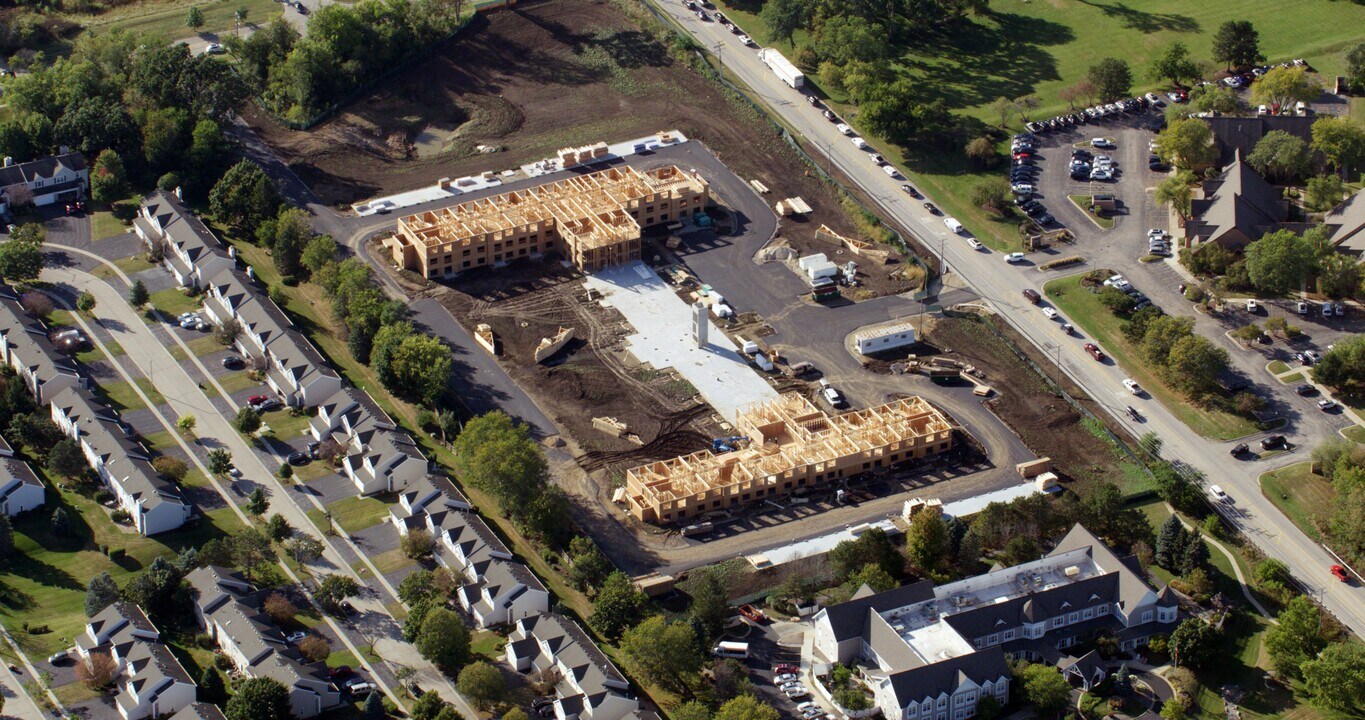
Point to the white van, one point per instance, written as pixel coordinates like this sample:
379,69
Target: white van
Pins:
844,128
859,143
1218,492
729,649
953,225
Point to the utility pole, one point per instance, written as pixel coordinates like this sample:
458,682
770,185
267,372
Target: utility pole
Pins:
720,56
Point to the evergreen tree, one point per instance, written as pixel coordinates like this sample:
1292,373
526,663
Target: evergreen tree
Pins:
60,524
6,536
1123,681
1168,542
211,688
373,708
137,294
1195,554
100,593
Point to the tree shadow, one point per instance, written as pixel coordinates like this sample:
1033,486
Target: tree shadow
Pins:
1146,22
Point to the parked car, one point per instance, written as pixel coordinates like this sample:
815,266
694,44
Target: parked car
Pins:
1339,573
1094,350
233,362
267,405
1101,142
1326,405
298,458
1239,449
360,689
257,399
1301,308
830,394
785,678
340,672
1132,386
1014,257
1272,441
59,656
752,613
1306,390
296,636
786,669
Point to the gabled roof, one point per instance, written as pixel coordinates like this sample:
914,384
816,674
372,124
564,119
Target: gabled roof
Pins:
181,228
942,678
199,711
1347,224
14,475
1239,135
1132,589
1239,200
848,619
41,169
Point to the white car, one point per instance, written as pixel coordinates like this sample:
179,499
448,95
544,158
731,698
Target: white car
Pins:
974,243
1252,307
213,48
746,40
1014,257
1153,97
294,637
805,706
1101,143
844,128
858,142
1049,313
1022,188
781,680
891,171
1132,386
361,689
1218,492
1101,174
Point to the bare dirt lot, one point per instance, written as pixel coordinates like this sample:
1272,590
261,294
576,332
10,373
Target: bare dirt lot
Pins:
532,79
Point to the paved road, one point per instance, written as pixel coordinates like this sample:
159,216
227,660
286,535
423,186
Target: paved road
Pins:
292,16
1002,284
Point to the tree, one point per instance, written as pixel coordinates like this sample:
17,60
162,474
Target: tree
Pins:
1280,88
1045,689
279,608
7,544
257,503
783,18
588,567
1116,300
1112,78
498,456
108,179
746,707
258,698
1281,156
1219,99
482,683
211,687
1194,644
982,152
1194,365
663,653
1176,190
292,235
444,640
418,543
846,39
710,606
94,124
1150,443
318,252
871,547
1172,710
186,423
251,550
1237,45
992,195
1341,140
1082,91
1344,365
247,421
335,588
303,548
1174,64
872,576
618,605
1186,143
427,706
314,648
244,197
220,459
137,294
373,709
85,302
1195,555
926,541
414,366
1297,638
157,591
194,18
227,332
66,459
1336,678
1170,542
97,671
1271,572
100,593
37,304
692,710
20,261
1324,192
1279,261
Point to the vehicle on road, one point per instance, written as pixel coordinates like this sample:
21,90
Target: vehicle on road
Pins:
1326,405
910,190
1049,313
1032,296
844,128
1218,492
213,48
1068,328
1014,257
974,243
1272,441
1339,573
1101,143
1239,449
930,207
746,40
1132,386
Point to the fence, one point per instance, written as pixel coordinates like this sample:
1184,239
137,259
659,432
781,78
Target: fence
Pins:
898,241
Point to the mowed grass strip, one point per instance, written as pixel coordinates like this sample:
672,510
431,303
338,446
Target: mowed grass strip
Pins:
1083,308
167,17
1304,496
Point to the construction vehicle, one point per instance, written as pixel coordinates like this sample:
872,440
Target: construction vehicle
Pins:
728,444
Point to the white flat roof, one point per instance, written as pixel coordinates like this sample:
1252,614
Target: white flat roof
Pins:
663,338
817,545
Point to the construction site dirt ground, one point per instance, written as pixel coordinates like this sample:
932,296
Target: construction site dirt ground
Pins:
532,79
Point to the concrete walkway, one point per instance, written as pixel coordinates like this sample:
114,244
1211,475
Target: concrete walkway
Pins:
1236,569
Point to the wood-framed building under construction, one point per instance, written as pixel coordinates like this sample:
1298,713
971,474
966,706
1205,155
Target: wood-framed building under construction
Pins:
792,445
593,220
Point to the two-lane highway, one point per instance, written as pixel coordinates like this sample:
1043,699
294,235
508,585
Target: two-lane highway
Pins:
1002,284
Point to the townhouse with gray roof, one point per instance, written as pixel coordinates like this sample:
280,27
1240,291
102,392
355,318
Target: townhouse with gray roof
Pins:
155,504
46,181
20,488
590,687
200,711
379,457
190,251
227,608
25,347
932,653
149,681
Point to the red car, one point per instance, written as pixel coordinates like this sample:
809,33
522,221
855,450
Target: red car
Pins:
786,670
1339,573
1095,351
256,399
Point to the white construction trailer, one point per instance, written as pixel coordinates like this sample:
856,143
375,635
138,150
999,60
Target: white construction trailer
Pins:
782,67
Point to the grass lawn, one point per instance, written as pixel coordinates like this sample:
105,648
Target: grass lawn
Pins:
1083,202
122,397
168,18
387,562
1301,495
1038,49
313,471
284,426
1084,309
1277,367
173,302
488,644
202,346
1292,378
44,581
161,441
238,381
103,225
1355,434
342,657
353,514
93,353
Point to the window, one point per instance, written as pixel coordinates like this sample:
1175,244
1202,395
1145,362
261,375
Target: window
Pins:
1073,617
993,639
1057,621
1102,610
1009,635
1088,613
1147,616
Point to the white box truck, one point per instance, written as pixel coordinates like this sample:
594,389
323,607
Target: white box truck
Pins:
782,67
729,649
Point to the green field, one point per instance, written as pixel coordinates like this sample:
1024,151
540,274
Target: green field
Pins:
168,18
173,302
1084,309
123,397
1355,434
1039,48
1301,495
103,225
352,514
1277,367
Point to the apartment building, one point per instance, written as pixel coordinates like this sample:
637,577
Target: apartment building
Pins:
379,457
150,682
200,711
227,608
590,687
20,488
594,220
294,369
791,445
45,181
155,504
932,653
190,251
25,347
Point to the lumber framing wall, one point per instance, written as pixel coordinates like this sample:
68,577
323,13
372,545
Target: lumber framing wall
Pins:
594,220
793,445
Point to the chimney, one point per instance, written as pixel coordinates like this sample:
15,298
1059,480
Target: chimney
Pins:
8,161
232,249
700,323
178,194
250,273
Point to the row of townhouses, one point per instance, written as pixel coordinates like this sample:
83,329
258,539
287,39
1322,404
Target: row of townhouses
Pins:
378,457
149,681
190,251
933,653
45,181
228,609
155,504
20,488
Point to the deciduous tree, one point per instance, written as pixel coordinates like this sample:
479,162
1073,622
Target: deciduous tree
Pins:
663,653
1280,156
1237,45
1194,644
482,683
1112,78
108,179
1279,261
1336,677
1297,638
444,640
1175,64
618,606
1186,143
1280,88
259,698
335,588
926,541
